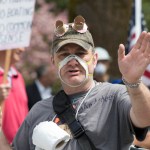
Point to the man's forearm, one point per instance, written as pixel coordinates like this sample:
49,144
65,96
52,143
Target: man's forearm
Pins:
3,142
140,112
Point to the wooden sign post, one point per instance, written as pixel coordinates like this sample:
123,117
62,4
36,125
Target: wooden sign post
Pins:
7,65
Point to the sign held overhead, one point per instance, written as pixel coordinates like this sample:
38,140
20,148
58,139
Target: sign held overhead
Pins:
15,23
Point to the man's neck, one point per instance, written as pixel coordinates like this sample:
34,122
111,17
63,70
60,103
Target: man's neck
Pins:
82,88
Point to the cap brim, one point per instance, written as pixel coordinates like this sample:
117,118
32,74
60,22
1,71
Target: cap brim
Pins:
81,43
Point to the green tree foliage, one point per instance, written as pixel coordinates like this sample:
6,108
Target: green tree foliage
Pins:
146,10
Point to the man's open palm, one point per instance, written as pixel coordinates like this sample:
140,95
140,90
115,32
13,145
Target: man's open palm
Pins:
133,65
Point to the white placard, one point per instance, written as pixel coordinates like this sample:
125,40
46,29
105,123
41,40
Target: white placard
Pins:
15,23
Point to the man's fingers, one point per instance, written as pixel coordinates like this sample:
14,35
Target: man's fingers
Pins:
140,40
121,52
146,45
5,86
4,91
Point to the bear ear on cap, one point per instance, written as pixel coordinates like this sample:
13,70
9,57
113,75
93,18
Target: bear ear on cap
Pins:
79,19
79,24
59,23
61,28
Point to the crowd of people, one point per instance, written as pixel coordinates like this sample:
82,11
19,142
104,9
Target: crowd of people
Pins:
90,112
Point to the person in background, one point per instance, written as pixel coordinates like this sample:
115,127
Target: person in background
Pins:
41,88
13,96
101,73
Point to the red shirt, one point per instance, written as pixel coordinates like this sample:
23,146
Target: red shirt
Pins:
15,106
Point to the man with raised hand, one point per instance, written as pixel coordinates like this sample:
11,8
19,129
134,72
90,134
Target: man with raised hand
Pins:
101,116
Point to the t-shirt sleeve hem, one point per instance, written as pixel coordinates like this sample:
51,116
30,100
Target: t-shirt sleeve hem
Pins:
140,133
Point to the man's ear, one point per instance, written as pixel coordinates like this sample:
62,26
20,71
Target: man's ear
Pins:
95,59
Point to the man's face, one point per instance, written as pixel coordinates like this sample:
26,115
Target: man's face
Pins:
73,73
16,54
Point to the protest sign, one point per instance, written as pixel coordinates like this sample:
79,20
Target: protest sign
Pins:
15,23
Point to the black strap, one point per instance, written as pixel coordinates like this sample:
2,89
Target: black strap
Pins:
65,111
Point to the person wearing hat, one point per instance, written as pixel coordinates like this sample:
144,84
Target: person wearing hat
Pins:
101,73
104,116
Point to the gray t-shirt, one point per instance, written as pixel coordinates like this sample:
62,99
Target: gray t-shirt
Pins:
104,115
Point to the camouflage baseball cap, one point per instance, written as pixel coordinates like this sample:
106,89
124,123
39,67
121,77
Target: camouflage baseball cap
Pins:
77,36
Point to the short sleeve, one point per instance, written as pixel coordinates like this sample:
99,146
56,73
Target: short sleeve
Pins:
21,140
